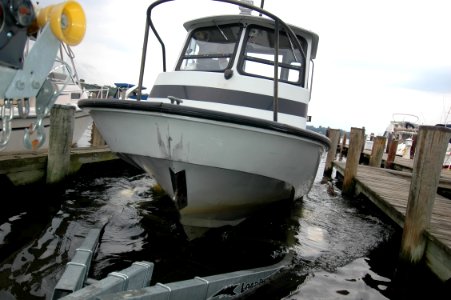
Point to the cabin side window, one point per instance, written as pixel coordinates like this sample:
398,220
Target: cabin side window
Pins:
210,48
257,57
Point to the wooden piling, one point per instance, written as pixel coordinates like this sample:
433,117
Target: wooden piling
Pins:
391,154
343,145
431,147
363,140
334,136
96,137
377,151
413,147
352,159
60,141
389,140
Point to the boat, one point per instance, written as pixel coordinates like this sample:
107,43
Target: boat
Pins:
33,76
404,128
224,134
129,91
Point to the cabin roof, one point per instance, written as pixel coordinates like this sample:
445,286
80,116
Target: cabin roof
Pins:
249,19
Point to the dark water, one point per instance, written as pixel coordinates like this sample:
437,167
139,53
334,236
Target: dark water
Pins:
343,248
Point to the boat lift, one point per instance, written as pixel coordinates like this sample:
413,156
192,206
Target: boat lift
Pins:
25,76
134,281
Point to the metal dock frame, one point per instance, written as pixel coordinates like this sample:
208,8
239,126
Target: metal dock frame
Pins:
133,283
224,286
134,277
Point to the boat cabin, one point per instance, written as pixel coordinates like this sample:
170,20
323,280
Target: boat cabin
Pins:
228,64
214,48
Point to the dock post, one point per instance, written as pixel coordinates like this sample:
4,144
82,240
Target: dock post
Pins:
334,136
414,145
343,144
377,151
352,160
427,166
389,140
62,118
363,140
96,137
391,154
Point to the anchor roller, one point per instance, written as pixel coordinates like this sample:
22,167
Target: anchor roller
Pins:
67,21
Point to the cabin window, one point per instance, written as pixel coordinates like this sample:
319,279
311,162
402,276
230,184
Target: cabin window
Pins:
210,48
75,96
258,56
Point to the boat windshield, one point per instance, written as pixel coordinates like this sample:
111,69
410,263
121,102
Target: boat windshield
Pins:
210,48
259,55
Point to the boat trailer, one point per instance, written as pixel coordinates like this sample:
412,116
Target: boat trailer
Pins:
134,281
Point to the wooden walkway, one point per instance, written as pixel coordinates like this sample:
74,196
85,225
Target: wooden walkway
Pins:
390,192
27,167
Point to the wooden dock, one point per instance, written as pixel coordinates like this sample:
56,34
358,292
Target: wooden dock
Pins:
389,190
28,167
404,166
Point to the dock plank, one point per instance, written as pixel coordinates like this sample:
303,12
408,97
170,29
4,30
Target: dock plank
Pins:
389,191
27,167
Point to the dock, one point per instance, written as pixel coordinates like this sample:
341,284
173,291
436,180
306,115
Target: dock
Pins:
403,167
28,167
60,159
391,190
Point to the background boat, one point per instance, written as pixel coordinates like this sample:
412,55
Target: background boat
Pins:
63,79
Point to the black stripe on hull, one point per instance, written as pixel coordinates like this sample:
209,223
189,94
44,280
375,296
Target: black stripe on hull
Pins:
214,115
224,96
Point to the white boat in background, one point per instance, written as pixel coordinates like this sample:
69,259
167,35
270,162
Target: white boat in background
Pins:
224,134
63,80
403,127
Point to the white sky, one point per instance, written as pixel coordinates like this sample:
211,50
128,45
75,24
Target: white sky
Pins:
375,58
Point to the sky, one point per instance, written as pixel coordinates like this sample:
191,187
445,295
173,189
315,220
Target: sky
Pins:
375,58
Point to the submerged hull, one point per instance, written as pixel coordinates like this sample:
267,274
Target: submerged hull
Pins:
210,196
218,167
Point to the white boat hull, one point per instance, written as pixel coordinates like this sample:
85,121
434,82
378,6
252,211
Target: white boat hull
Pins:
217,172
215,196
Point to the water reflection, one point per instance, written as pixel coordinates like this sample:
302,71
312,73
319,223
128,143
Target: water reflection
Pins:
314,242
352,281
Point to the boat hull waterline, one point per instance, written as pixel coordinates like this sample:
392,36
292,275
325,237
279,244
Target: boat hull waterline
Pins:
217,171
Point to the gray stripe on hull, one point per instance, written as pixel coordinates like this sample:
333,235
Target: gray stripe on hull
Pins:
238,98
